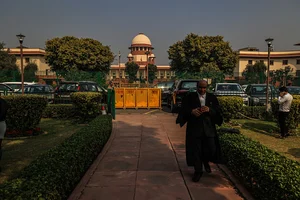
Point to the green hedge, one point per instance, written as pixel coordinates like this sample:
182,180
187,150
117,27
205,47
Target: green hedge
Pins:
296,96
294,116
54,174
60,111
257,112
231,106
87,104
25,111
266,174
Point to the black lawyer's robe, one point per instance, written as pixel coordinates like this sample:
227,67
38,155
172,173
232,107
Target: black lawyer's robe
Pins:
206,122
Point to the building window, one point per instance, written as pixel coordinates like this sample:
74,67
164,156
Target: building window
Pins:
285,62
27,60
114,74
298,62
271,62
249,62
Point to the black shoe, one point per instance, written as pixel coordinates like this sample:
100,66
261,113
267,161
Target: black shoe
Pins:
197,176
207,167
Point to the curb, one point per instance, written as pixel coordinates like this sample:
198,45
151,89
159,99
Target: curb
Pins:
77,192
237,183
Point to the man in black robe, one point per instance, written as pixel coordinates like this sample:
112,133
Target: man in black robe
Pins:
202,112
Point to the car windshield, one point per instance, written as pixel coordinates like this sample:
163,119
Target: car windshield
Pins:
165,85
34,89
224,87
15,86
188,85
294,90
259,89
71,87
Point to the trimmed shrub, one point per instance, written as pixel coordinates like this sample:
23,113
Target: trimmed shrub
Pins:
294,116
231,106
87,104
60,111
54,174
257,112
296,96
25,111
266,174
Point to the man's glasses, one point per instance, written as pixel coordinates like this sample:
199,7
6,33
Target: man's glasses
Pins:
201,87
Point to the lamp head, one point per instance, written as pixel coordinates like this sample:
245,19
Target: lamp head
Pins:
269,41
20,37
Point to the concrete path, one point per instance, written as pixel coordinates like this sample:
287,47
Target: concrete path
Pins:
145,159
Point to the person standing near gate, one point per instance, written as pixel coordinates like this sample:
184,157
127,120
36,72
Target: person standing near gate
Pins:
285,102
202,112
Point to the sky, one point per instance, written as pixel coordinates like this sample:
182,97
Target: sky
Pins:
243,23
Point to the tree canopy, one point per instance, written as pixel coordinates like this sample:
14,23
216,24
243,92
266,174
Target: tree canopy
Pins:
71,53
197,53
151,72
9,71
282,75
131,68
29,72
255,73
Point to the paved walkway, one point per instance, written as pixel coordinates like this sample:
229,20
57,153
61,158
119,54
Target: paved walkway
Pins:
145,159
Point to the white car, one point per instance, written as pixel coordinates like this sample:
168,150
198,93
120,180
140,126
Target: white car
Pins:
17,85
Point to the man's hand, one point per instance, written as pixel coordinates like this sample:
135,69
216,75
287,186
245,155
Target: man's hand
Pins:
204,109
196,112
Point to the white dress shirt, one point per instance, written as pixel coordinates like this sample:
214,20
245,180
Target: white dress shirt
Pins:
202,99
285,102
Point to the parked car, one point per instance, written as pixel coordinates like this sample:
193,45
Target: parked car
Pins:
17,85
178,91
165,89
257,94
244,87
230,89
294,90
65,88
5,89
39,89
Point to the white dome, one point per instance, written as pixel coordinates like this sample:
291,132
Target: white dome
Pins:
129,55
141,38
152,55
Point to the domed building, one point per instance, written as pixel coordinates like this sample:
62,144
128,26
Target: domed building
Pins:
141,52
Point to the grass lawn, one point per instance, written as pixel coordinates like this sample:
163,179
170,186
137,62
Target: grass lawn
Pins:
19,152
266,133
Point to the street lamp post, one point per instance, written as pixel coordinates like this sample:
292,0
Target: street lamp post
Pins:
119,69
269,42
147,73
21,38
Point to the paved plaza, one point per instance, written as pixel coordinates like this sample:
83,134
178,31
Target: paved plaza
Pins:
145,159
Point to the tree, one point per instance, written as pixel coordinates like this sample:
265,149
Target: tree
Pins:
9,71
71,53
29,72
282,75
196,53
131,68
255,73
77,75
151,72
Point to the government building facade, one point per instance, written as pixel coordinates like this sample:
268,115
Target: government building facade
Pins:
142,52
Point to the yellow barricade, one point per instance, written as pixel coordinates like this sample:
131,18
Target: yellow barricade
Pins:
141,98
119,96
138,98
129,98
154,98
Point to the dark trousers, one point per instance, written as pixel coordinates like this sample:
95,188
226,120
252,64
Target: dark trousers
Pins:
282,116
204,149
